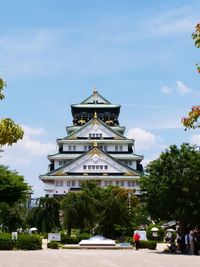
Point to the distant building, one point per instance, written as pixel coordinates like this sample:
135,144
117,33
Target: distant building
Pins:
95,149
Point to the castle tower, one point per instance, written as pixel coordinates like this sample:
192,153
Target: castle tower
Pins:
94,149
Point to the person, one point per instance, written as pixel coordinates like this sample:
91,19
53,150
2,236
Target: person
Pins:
189,242
136,239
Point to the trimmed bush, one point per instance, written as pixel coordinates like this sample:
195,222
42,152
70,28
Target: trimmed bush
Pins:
29,242
6,242
148,244
53,245
69,240
82,236
160,233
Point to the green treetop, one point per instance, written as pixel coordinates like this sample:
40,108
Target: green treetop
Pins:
9,131
171,188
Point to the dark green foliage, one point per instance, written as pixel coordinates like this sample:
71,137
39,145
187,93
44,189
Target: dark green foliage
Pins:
24,241
65,239
160,232
53,245
172,186
148,244
106,210
29,242
115,211
45,217
12,186
6,243
12,217
79,211
82,236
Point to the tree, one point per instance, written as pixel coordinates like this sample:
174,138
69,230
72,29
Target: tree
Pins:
46,216
9,131
12,186
171,188
116,211
196,37
191,121
79,211
13,196
12,217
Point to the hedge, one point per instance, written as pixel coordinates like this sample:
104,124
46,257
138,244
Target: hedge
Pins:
24,241
53,245
29,242
148,244
74,239
65,239
6,242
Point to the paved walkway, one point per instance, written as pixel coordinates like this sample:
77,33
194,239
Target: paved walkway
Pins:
95,258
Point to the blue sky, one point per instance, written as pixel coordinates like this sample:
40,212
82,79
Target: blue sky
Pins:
137,53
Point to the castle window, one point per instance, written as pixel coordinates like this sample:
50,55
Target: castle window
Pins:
120,148
74,148
73,183
84,167
69,148
60,163
105,167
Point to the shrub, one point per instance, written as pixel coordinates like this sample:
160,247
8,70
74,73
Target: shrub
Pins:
29,242
82,236
148,244
53,245
65,239
160,236
6,242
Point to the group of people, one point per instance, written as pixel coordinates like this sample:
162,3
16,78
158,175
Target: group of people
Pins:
186,243
189,242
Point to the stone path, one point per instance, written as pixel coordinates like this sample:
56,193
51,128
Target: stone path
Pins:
95,258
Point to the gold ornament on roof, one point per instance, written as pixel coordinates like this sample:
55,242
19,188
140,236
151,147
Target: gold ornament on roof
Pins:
95,90
95,144
95,115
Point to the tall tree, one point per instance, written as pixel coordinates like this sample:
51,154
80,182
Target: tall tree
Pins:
79,211
116,210
12,186
9,131
171,188
46,216
13,198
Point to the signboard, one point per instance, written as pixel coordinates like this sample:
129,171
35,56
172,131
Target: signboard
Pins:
54,237
14,235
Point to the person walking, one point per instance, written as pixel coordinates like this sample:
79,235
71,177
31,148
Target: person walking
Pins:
136,239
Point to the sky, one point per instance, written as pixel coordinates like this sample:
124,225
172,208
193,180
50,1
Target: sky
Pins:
139,54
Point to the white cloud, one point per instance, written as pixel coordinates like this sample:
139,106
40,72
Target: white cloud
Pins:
143,139
174,21
24,152
30,131
182,88
166,90
195,139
